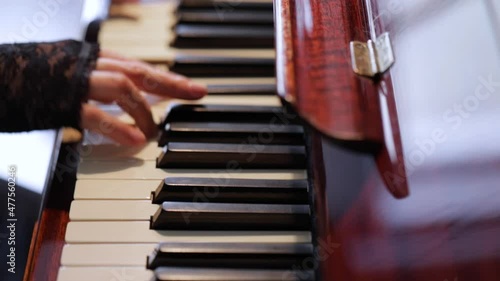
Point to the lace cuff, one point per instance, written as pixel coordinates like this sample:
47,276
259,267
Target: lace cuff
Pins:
42,85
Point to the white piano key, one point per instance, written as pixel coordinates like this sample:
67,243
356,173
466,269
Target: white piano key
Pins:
140,38
139,169
139,273
139,232
106,254
232,53
137,189
115,189
111,210
105,152
171,273
147,11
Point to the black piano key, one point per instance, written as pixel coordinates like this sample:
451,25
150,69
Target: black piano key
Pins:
221,36
224,274
269,115
230,255
224,190
196,66
231,156
211,16
248,89
218,132
222,6
225,216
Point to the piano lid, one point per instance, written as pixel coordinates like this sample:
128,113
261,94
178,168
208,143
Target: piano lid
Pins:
315,75
314,71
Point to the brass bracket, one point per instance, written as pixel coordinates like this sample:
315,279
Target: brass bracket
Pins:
372,58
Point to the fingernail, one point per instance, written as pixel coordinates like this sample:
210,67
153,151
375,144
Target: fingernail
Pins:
197,90
137,136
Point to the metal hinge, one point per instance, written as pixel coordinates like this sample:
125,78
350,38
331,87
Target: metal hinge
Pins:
372,58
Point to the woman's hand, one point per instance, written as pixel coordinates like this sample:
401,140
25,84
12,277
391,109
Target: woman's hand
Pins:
121,80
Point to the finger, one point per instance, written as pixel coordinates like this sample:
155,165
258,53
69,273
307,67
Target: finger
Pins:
116,87
100,122
152,80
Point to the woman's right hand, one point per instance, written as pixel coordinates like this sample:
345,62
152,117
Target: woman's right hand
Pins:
120,80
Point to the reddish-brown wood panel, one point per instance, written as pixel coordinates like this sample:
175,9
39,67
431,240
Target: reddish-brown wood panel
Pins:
314,67
315,76
446,230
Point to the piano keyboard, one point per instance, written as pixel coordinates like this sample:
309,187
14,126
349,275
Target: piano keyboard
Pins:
223,193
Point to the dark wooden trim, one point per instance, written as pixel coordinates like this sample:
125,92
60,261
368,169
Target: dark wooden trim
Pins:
47,250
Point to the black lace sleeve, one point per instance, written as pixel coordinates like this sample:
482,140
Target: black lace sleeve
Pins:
42,85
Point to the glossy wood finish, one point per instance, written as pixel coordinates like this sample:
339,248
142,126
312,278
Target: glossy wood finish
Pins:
314,69
315,76
46,251
444,84
447,229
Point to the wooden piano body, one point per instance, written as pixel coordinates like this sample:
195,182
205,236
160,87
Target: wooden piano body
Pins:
428,123
438,101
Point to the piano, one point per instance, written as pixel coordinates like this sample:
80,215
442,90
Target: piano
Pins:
378,161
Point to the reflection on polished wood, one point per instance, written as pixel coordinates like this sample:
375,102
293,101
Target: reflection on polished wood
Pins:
445,84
